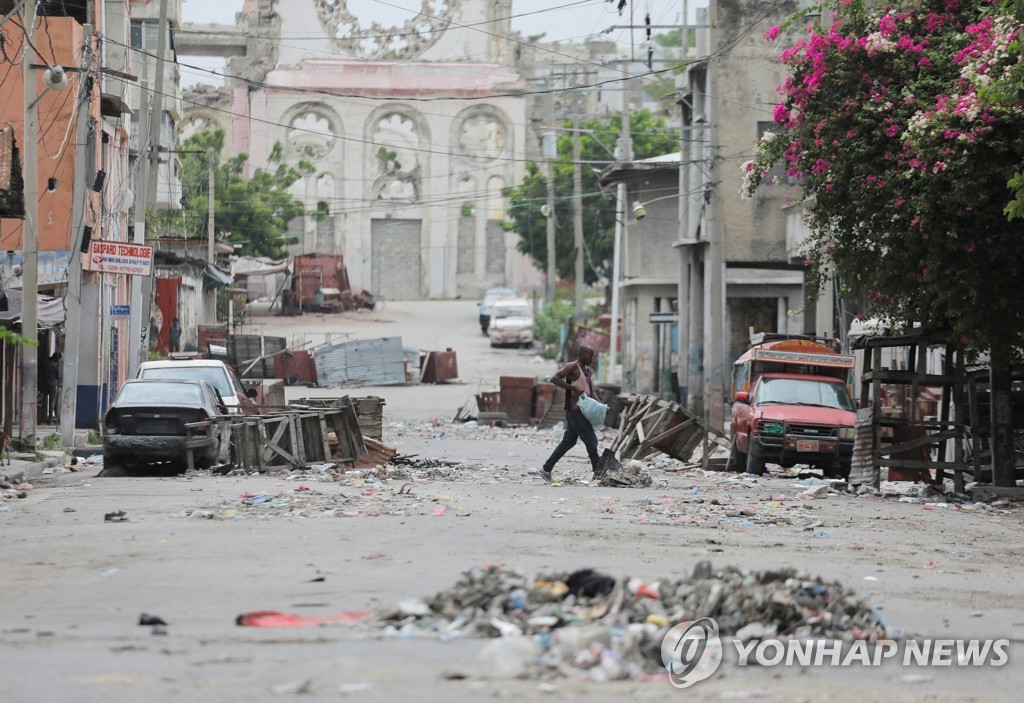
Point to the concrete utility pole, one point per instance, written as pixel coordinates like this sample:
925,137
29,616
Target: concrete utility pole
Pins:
577,214
625,155
714,273
138,321
30,243
550,149
210,255
152,152
84,155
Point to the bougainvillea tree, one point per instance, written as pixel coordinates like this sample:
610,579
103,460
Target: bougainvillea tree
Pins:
906,123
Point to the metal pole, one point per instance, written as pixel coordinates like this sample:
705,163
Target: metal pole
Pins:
138,323
30,245
577,215
84,160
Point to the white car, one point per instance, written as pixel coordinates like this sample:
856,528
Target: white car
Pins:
216,373
511,323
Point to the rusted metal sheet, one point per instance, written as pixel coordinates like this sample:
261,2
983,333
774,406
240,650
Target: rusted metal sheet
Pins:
440,367
517,397
488,402
212,334
295,368
362,362
597,340
543,397
378,454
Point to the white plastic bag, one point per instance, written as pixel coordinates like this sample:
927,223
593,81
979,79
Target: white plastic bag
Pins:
593,410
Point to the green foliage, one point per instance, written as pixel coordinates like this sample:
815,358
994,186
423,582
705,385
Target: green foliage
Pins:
597,143
903,120
51,441
9,335
92,438
547,325
254,212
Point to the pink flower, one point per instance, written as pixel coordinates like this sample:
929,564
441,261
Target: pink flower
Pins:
781,115
892,130
887,25
771,34
899,202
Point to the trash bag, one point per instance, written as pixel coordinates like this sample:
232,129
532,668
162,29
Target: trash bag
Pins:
593,410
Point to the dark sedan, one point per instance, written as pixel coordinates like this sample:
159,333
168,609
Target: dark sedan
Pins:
145,425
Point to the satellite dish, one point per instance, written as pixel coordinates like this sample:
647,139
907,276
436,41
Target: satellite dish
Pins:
55,78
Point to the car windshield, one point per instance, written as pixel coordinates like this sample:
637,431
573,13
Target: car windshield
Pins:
501,312
492,296
160,393
211,374
790,391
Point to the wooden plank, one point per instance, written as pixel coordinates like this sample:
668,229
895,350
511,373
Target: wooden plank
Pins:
916,443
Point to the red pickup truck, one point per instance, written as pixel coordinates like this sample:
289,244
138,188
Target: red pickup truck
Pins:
792,405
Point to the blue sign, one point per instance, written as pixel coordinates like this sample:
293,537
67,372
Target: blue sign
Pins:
120,310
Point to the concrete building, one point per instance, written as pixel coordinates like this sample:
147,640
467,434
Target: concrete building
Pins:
735,269
412,132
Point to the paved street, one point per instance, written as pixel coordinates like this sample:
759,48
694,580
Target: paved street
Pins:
198,551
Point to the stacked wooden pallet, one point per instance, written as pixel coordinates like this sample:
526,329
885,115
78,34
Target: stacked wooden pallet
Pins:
649,424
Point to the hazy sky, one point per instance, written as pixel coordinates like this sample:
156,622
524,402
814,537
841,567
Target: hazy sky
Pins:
581,19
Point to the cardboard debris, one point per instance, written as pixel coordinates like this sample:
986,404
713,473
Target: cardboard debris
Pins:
378,454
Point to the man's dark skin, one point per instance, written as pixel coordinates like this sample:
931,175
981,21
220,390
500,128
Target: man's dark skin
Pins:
577,426
569,373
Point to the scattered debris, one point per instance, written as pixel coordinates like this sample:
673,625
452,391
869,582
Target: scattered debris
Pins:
612,627
116,516
633,475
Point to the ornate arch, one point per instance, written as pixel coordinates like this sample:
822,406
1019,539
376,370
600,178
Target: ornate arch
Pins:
312,129
396,135
481,134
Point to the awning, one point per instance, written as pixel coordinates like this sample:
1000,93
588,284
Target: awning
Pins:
49,311
213,277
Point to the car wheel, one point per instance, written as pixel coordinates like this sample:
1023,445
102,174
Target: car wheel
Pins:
737,460
755,462
113,466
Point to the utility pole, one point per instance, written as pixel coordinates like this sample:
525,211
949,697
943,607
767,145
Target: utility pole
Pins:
714,279
151,150
84,155
30,243
577,213
549,147
138,322
625,155
210,211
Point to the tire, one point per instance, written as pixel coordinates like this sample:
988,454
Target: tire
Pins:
737,460
755,462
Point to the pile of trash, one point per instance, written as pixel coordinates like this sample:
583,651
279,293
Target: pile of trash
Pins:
593,625
632,475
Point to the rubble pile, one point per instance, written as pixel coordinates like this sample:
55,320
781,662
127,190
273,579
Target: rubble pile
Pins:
304,502
601,627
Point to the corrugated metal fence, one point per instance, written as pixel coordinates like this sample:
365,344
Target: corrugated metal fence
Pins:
362,362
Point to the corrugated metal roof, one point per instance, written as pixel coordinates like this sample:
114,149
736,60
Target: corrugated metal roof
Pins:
361,362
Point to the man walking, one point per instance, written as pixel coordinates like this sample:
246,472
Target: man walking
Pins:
575,379
175,335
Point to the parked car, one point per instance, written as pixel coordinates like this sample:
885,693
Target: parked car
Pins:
218,374
146,424
490,298
511,323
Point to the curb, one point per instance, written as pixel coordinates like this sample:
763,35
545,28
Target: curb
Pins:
30,470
